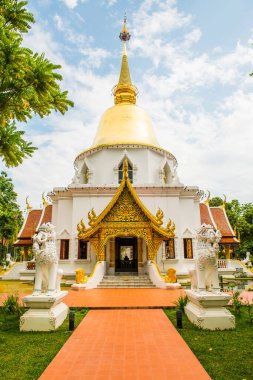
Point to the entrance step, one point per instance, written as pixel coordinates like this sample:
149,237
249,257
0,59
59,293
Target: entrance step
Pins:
129,281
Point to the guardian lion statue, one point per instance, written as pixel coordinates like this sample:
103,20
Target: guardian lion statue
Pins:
205,275
47,277
171,276
80,276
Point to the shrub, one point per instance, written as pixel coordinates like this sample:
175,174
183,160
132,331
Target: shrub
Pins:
181,302
11,305
249,306
237,302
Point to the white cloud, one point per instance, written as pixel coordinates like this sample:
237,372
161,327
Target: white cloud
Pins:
70,3
73,3
214,150
59,22
39,40
150,21
192,37
110,3
93,56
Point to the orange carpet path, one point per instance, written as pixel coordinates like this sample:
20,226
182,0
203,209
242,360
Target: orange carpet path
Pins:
125,298
125,344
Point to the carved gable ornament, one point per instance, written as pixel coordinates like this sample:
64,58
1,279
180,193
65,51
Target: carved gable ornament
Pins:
64,235
126,210
188,233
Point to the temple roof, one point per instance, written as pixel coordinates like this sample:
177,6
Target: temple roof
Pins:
222,222
217,217
205,215
30,224
33,220
46,215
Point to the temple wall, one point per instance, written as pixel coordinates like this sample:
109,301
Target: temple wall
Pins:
63,217
82,205
189,215
169,206
147,165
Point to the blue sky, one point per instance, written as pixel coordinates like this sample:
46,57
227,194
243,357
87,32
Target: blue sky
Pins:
190,61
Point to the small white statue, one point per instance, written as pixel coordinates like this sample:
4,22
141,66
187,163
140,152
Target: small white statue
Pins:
9,259
44,249
247,261
205,275
77,176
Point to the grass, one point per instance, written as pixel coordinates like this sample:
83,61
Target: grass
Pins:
25,355
226,355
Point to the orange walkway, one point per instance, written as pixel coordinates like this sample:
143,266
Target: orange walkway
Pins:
125,298
117,298
125,344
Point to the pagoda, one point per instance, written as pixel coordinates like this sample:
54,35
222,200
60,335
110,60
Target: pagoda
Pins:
126,208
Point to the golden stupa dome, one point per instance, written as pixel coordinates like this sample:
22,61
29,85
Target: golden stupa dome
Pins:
125,123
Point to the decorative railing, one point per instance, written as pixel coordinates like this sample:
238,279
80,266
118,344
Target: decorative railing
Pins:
30,265
222,263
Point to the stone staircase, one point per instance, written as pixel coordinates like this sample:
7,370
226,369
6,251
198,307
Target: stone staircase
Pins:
126,281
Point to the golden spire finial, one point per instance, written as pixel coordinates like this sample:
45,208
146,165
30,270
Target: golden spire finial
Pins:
28,206
124,92
207,200
125,169
224,201
125,35
45,202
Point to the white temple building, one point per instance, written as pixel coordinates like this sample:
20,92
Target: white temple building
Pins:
126,207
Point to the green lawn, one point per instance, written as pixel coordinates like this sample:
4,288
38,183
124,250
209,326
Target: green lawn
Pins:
226,355
25,355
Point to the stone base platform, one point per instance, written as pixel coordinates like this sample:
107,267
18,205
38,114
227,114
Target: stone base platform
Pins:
206,310
46,312
78,287
173,285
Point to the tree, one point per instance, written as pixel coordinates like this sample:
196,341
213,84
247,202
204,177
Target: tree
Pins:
28,83
245,227
11,218
215,202
241,217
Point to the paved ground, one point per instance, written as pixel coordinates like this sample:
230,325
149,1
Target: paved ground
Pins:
125,344
115,298
124,298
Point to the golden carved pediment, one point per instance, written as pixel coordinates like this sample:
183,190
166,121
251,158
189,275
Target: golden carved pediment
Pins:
126,210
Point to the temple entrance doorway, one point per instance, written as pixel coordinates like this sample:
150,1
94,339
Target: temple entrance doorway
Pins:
126,254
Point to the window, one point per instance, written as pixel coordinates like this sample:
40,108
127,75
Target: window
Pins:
82,249
64,249
170,249
130,172
188,253
166,173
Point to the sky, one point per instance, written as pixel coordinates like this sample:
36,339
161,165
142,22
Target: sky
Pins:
190,60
